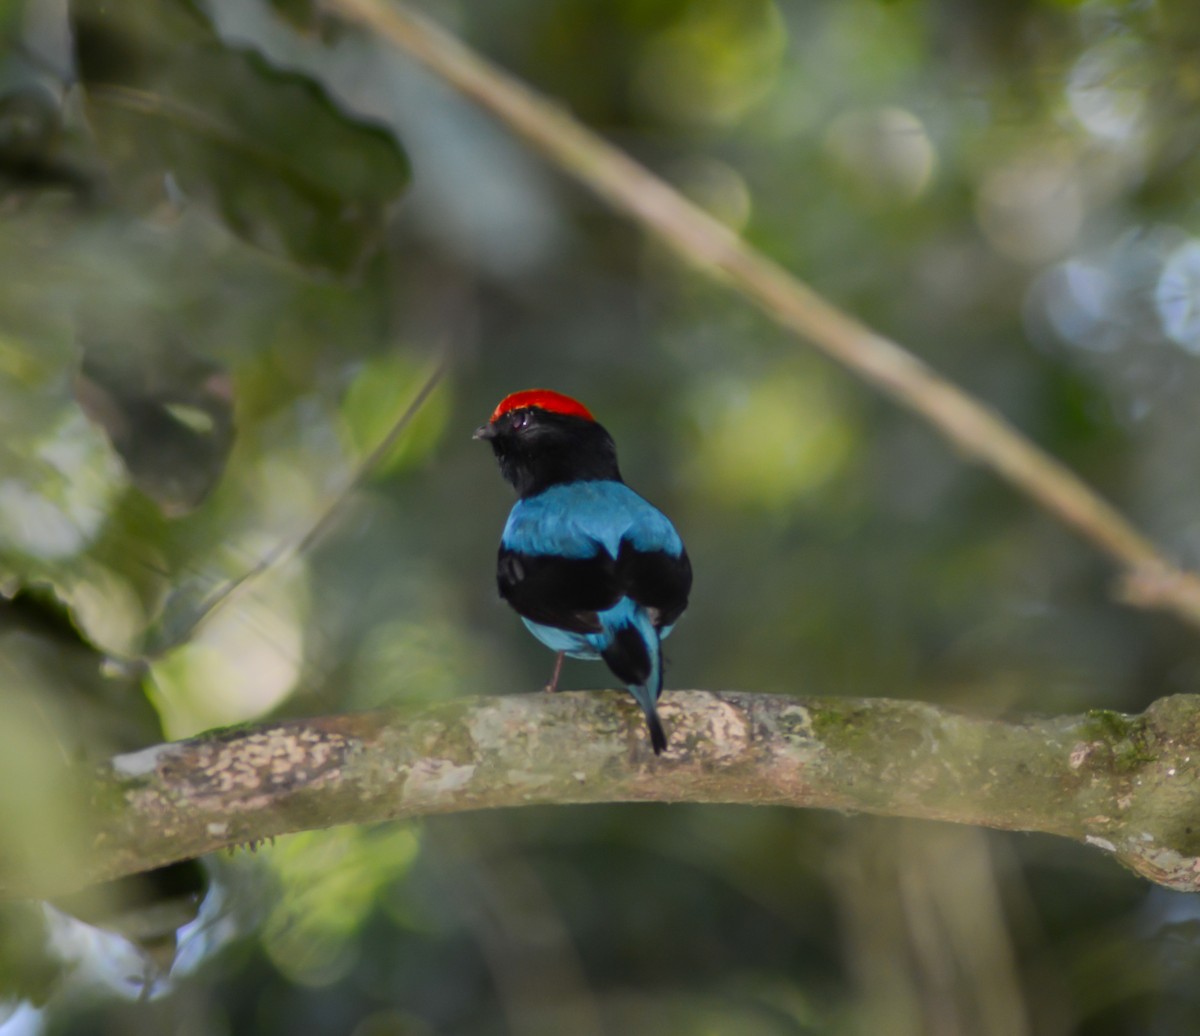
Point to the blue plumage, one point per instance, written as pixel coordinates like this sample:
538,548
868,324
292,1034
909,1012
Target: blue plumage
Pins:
594,570
625,615
577,519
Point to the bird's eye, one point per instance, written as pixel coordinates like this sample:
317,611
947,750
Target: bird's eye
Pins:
520,419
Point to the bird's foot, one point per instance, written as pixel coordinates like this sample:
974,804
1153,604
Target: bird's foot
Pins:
552,686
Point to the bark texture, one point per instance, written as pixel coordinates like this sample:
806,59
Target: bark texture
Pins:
1129,785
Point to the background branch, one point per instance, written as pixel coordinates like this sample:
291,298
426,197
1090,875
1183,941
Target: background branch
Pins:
1130,785
1150,578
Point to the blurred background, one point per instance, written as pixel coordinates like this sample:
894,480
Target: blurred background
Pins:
236,238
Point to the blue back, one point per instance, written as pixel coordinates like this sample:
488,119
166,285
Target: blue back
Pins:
578,519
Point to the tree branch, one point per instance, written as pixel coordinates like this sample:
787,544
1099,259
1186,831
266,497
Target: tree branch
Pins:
1130,785
1150,579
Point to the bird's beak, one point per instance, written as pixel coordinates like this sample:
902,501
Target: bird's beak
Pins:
484,431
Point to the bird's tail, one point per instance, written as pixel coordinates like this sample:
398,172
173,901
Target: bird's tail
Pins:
635,658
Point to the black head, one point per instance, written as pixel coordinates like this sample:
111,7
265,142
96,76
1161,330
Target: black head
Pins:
542,438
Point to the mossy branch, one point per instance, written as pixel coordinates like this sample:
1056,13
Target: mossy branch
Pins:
1127,784
1150,579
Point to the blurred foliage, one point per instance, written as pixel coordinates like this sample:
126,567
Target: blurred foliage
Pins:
221,287
66,703
165,97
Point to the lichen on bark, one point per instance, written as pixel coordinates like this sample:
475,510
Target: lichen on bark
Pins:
1128,785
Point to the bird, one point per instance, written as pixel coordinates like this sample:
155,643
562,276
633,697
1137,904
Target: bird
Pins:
594,570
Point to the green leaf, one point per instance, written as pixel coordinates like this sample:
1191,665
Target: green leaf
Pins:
267,152
375,401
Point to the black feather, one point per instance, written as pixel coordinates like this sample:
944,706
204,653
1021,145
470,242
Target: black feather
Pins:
629,658
556,591
658,740
630,662
655,579
537,449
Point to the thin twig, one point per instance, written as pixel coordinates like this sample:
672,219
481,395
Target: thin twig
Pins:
287,549
1150,578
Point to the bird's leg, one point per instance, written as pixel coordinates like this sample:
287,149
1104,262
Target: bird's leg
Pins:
552,686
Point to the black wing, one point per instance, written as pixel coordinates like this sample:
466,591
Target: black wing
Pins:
655,579
568,592
562,592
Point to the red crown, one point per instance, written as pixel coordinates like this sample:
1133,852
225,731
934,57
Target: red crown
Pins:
544,399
